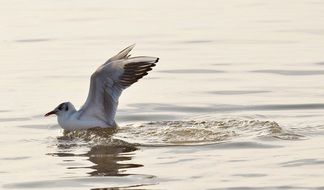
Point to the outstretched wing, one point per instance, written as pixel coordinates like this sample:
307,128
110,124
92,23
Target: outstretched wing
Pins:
108,82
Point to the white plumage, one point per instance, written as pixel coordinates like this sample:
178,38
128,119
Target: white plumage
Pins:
106,86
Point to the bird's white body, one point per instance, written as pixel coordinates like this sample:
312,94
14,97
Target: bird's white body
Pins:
106,86
71,122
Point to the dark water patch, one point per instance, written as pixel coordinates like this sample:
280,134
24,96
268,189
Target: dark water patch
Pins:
250,175
149,107
225,144
85,19
14,119
221,64
180,161
193,109
274,21
260,42
237,92
284,187
144,117
33,40
245,145
197,41
192,71
307,31
290,72
130,187
86,182
302,162
288,107
240,41
35,127
238,160
15,158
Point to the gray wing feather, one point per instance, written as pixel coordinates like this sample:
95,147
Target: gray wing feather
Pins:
122,54
108,82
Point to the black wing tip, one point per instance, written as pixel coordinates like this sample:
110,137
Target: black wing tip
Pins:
157,60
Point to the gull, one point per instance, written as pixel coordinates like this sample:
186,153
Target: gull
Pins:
106,85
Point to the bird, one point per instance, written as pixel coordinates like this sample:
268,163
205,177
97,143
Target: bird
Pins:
106,85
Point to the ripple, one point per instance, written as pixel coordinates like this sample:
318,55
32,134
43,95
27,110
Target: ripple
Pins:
290,72
240,41
251,175
149,107
197,41
237,92
113,182
191,71
145,117
33,40
15,158
15,119
270,188
302,162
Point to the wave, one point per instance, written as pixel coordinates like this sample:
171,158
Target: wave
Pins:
192,132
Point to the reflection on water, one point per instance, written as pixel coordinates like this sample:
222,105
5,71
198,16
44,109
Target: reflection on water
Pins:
107,157
107,160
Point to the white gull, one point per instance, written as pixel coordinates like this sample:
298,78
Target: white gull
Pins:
106,86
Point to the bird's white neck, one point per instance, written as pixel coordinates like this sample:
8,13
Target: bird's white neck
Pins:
65,119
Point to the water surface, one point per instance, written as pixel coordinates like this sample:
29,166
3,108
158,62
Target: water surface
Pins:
236,101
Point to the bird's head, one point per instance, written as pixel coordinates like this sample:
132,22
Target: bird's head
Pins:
62,109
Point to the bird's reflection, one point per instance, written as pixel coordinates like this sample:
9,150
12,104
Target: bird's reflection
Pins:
107,158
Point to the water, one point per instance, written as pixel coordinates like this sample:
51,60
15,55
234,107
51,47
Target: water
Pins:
236,101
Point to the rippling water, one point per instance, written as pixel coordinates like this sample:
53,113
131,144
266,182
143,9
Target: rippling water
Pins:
236,101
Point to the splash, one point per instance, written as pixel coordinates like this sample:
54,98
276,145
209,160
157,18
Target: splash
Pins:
184,133
202,132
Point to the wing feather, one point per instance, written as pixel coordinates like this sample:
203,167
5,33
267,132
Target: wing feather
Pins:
108,82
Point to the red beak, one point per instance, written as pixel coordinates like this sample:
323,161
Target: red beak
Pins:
50,113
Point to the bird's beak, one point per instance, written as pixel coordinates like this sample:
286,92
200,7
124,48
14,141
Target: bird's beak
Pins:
50,113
